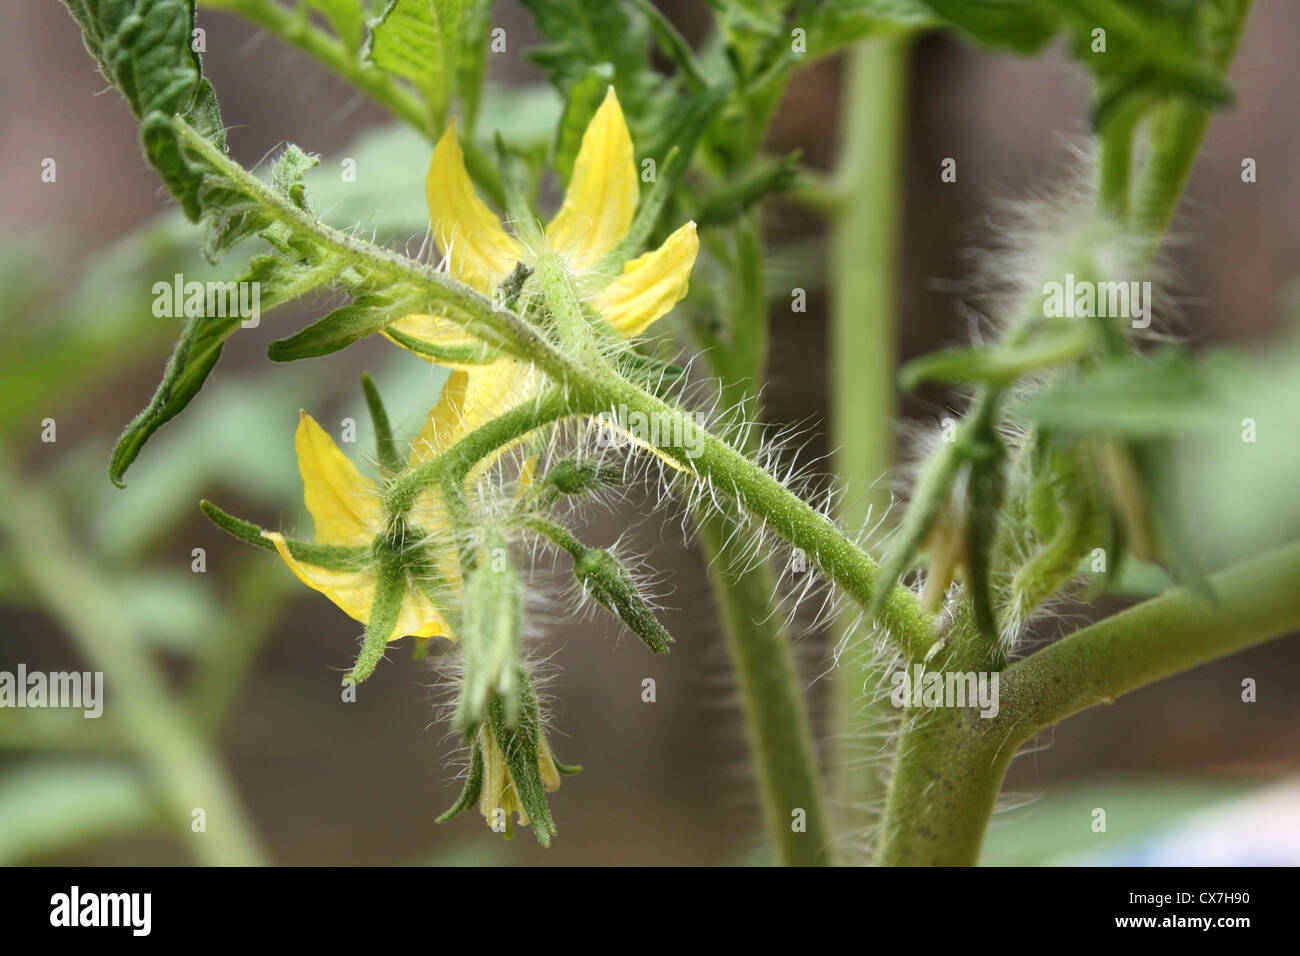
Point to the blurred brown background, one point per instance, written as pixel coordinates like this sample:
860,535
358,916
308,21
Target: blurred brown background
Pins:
664,783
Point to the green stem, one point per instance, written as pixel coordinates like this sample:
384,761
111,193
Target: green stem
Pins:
1255,601
185,772
1177,129
952,762
863,264
776,720
777,727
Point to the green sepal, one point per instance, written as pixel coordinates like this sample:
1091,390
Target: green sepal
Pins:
931,494
570,477
655,374
390,591
330,557
476,354
520,744
515,184
512,286
385,445
473,789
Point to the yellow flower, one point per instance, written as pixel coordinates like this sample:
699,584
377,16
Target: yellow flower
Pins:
594,218
345,507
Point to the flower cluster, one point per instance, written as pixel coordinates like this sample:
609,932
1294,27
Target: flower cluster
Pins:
411,554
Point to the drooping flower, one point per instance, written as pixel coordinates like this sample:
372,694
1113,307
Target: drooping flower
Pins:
390,575
595,217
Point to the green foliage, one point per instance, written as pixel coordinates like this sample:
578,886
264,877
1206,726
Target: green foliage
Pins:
424,41
145,49
1133,396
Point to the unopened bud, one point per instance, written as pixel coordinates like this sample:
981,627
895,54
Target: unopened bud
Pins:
605,578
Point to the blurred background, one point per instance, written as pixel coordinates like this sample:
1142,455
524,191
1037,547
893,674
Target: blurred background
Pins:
665,782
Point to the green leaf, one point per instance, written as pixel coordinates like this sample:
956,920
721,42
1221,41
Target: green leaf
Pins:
199,348
339,329
1153,49
1132,396
673,45
385,445
420,40
287,175
835,24
586,33
145,49
1024,26
476,22
347,18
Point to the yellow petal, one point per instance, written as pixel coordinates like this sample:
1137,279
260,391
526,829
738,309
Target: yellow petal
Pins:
650,284
420,618
467,232
444,423
354,593
602,196
343,503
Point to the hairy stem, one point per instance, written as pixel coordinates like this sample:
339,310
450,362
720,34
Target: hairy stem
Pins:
776,720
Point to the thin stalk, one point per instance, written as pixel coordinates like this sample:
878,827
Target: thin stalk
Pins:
778,730
186,774
776,719
864,243
1177,129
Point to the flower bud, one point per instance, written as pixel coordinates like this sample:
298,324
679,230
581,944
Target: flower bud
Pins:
605,578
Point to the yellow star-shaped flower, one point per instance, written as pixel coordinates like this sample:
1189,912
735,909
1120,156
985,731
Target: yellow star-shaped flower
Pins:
594,218
343,561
